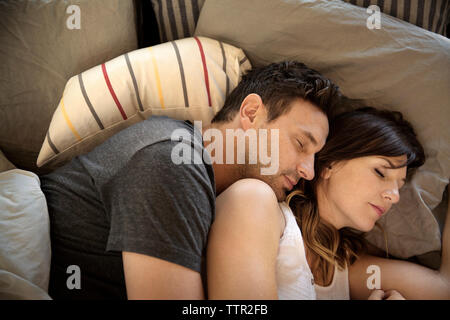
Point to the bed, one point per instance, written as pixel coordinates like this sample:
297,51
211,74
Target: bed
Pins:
403,65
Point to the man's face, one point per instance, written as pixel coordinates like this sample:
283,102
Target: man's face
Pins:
302,133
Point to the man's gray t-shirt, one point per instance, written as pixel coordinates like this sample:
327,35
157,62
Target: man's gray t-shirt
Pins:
128,195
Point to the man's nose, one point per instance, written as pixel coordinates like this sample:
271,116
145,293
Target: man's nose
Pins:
306,168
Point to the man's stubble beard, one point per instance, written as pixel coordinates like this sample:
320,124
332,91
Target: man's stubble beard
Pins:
274,181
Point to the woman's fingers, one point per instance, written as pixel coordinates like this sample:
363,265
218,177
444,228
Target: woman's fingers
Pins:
393,295
377,294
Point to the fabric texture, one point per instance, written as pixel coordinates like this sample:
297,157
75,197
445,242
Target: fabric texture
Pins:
146,24
187,79
398,67
24,237
129,195
39,53
428,14
5,164
176,18
295,280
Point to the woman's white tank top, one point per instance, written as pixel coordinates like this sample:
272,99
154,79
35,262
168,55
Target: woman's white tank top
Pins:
294,277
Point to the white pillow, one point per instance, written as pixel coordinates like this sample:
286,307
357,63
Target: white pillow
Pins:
25,251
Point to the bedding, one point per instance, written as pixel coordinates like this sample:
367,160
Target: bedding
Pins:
176,19
5,164
39,53
400,67
430,15
186,79
25,252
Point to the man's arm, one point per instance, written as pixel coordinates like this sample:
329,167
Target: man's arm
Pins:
160,215
149,278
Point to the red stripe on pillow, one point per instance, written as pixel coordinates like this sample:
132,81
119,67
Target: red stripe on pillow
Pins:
113,94
205,70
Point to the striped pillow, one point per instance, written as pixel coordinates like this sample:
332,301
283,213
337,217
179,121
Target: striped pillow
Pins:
187,79
428,14
176,18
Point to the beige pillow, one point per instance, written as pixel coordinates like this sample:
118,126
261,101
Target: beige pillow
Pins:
5,165
400,66
39,53
187,79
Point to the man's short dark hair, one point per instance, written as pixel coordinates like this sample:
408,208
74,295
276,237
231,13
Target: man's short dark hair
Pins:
278,85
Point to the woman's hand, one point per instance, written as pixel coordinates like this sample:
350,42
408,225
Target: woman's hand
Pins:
385,295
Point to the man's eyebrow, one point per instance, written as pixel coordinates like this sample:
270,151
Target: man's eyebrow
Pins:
391,166
310,137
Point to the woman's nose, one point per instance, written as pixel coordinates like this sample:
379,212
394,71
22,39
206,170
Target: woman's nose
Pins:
392,195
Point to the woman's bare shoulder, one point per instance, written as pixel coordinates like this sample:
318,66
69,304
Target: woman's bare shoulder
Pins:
251,199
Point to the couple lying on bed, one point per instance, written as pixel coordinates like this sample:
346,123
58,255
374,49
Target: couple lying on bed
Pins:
138,225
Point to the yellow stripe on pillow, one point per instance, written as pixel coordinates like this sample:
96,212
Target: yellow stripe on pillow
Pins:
157,78
69,123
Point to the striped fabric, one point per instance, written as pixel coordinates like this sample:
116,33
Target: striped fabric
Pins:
186,79
176,18
428,14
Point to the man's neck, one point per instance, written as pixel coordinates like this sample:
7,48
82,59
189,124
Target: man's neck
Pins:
224,174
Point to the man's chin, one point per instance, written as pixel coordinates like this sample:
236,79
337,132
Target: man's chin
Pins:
281,195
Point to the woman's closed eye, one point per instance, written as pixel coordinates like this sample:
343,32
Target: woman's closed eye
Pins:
300,144
379,173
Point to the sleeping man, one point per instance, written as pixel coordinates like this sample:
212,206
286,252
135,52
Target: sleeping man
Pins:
134,222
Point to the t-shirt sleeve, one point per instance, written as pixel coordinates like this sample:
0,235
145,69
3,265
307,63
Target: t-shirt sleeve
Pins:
159,208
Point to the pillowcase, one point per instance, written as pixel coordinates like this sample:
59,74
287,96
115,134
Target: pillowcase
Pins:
176,19
5,165
146,24
399,67
187,79
39,53
25,237
430,15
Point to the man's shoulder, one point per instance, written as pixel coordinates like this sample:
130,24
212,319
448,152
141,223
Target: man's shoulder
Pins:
157,127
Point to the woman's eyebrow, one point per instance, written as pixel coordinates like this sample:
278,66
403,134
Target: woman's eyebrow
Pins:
392,166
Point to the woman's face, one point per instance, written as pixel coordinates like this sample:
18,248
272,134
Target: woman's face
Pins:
356,193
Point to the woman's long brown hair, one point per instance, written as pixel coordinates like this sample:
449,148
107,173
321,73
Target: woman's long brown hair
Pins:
354,134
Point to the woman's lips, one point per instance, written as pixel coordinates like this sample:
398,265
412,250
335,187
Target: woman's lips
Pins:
378,210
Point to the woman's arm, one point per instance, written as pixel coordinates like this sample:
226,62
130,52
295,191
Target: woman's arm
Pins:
243,243
413,281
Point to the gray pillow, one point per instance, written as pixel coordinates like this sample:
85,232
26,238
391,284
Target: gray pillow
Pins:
39,53
428,14
400,67
176,18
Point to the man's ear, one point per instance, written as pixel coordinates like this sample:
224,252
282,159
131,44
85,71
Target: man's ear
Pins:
252,111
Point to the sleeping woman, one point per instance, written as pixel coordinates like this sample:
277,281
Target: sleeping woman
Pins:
312,245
